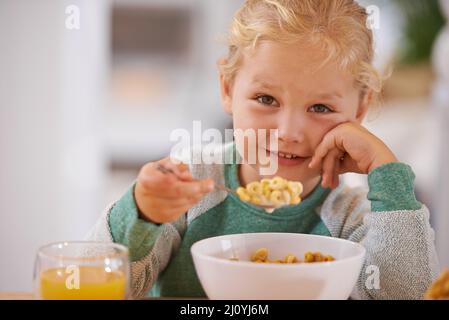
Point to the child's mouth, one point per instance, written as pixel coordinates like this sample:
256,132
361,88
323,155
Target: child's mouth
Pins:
287,159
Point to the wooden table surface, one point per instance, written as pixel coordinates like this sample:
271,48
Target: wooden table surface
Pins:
16,296
29,296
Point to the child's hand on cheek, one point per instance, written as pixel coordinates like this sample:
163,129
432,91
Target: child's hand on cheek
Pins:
349,147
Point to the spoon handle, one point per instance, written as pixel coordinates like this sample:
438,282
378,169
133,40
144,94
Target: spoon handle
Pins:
166,170
223,188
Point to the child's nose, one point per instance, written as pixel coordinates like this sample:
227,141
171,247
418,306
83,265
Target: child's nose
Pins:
291,130
291,134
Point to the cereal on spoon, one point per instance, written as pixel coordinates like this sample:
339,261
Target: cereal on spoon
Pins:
276,192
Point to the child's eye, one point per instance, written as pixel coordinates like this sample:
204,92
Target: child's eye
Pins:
265,99
320,108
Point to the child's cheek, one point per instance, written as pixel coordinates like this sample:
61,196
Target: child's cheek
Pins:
252,121
320,126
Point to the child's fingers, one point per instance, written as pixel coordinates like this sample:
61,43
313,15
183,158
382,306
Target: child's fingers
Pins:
339,158
185,172
152,178
336,179
179,184
321,151
332,140
181,169
328,168
349,165
181,189
192,188
149,176
159,204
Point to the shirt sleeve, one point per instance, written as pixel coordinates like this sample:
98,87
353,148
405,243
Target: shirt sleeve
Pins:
391,187
150,245
394,228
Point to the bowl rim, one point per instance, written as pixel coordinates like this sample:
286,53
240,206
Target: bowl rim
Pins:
195,253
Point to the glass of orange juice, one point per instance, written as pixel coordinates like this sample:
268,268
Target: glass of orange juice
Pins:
82,271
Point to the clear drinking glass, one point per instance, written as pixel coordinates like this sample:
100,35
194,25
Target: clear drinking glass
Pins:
82,270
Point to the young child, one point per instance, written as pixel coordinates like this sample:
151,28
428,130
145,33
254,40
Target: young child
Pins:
302,67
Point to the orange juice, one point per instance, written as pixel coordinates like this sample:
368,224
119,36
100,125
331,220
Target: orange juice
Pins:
94,283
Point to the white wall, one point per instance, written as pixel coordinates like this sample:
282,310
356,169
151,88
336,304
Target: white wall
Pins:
441,100
51,162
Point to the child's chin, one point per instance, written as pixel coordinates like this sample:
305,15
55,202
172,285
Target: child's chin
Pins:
284,162
294,173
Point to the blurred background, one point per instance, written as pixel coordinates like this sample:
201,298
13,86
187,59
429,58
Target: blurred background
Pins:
84,106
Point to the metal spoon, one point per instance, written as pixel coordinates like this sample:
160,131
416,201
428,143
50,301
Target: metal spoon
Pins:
220,187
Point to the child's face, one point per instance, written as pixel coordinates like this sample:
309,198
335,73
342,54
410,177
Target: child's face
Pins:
280,86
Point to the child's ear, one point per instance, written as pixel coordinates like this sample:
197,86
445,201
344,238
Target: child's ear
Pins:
225,88
364,104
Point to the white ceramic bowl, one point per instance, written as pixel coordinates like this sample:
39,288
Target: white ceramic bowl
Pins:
222,278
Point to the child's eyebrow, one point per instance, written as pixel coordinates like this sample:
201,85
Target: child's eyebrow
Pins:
328,95
263,83
324,95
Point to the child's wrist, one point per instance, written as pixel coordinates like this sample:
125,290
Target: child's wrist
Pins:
381,161
139,200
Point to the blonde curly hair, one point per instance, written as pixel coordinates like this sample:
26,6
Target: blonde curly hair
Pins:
339,27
